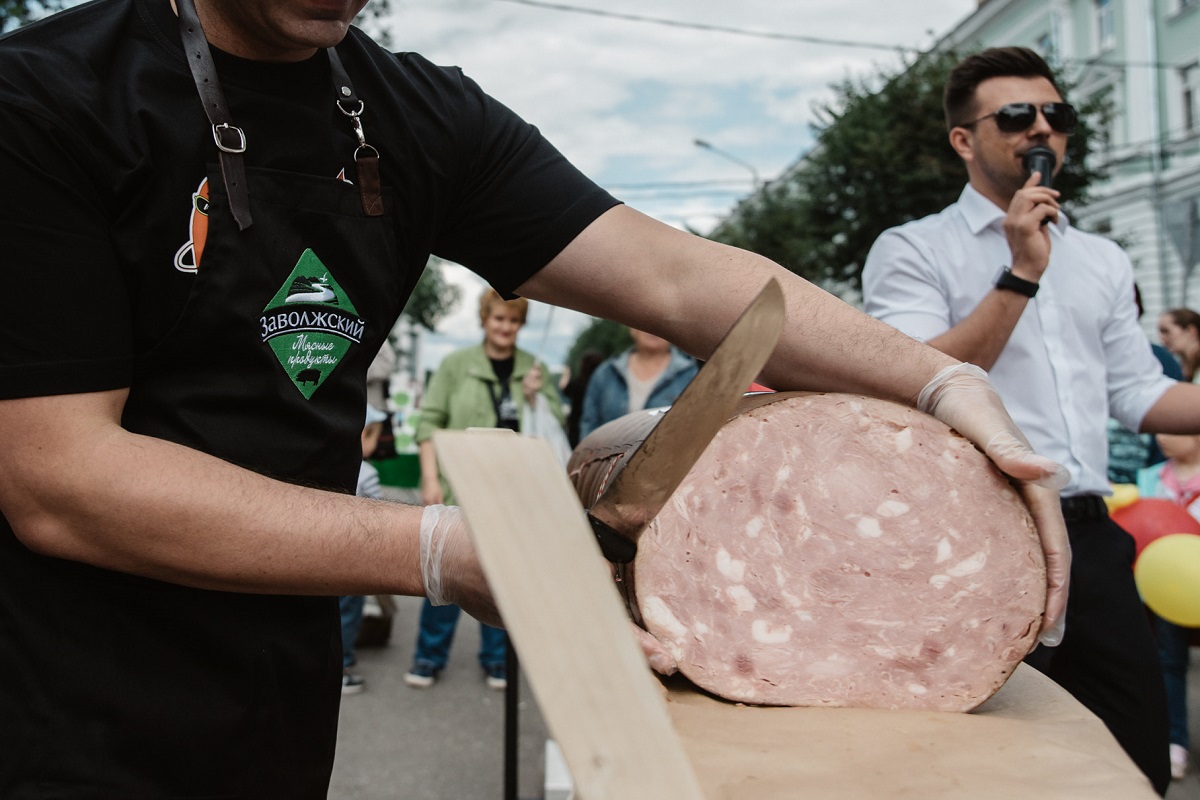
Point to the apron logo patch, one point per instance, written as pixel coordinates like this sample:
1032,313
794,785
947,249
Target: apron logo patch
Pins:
310,324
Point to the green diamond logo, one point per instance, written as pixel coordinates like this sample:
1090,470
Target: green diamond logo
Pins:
310,324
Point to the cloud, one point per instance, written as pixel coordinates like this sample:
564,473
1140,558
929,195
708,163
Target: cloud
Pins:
625,100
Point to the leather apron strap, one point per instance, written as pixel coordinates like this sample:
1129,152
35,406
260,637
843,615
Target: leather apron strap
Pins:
366,157
230,139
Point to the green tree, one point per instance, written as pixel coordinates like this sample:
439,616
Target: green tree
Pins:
372,18
881,158
432,298
14,13
603,335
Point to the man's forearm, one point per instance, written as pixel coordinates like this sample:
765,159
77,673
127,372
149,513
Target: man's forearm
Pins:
141,505
690,290
1177,411
982,336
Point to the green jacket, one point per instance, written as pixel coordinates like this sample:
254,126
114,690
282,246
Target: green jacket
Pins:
458,396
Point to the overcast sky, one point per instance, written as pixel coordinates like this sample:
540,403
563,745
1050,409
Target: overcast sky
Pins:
625,100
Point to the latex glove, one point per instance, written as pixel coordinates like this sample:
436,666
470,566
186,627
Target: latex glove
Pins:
450,569
962,397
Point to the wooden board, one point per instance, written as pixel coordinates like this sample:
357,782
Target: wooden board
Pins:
627,735
602,705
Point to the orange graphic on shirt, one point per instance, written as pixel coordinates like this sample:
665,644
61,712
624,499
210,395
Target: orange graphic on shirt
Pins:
187,257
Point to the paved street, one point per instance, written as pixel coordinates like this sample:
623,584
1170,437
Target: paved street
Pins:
442,743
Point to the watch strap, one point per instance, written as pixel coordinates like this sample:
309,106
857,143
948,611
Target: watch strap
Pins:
1012,283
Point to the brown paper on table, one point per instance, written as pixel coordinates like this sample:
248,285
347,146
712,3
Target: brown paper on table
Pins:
626,737
1030,740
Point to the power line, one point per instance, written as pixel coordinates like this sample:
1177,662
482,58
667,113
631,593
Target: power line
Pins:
699,26
1099,60
644,197
712,182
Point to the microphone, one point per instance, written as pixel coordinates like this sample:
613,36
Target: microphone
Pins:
1040,159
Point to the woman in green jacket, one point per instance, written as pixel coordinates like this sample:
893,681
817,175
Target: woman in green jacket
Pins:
484,386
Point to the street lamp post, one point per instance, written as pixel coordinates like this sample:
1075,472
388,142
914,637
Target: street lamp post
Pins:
701,143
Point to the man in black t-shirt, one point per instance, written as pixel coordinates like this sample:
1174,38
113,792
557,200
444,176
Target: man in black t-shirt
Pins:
195,289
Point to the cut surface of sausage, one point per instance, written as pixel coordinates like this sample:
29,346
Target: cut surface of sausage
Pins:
835,550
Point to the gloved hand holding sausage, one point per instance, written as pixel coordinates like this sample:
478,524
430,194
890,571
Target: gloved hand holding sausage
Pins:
962,397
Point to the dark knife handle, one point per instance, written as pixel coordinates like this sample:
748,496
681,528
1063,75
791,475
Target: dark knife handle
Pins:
615,547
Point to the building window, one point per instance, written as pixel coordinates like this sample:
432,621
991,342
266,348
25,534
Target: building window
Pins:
1045,47
1106,33
1189,79
1103,136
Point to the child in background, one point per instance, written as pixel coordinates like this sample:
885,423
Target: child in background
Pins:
1177,479
352,607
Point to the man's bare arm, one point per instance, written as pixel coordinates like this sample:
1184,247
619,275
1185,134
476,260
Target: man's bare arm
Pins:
75,485
1177,411
982,336
689,290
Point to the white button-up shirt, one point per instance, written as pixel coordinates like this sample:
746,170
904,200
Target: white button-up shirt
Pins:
1077,354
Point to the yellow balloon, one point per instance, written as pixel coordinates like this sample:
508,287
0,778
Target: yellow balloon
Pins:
1124,494
1168,578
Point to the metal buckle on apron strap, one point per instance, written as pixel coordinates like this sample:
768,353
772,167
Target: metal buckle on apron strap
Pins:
231,140
204,73
219,132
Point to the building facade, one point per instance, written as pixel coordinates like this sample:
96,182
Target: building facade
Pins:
1145,55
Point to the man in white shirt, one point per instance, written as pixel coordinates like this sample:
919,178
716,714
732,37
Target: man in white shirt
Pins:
1001,279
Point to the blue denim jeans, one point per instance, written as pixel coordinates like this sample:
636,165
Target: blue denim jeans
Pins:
352,614
1173,652
436,633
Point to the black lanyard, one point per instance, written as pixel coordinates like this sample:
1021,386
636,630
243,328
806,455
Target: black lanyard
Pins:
503,401
231,140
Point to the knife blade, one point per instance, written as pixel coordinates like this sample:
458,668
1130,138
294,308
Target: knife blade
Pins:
654,471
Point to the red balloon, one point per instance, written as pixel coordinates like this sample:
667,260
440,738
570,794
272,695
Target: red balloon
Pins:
1151,517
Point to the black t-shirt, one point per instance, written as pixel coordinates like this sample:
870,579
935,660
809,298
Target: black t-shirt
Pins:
502,399
103,149
105,146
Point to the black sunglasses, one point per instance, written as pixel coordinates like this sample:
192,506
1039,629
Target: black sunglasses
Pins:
1017,117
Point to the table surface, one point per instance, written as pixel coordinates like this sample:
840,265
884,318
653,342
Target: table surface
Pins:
1030,740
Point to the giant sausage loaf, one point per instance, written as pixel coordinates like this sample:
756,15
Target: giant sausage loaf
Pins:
833,550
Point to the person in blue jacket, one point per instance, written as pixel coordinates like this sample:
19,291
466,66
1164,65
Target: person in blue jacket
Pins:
650,374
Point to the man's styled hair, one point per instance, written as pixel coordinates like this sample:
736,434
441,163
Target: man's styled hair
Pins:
958,100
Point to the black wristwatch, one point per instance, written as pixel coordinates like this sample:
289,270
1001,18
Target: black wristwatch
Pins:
1011,283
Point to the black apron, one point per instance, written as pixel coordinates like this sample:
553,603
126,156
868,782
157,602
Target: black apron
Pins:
144,689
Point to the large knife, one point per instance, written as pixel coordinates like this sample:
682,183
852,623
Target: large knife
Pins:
664,458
